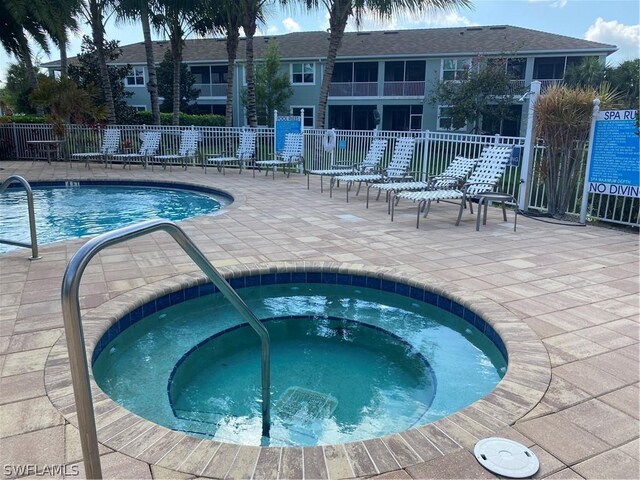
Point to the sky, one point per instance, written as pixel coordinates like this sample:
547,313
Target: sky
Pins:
614,22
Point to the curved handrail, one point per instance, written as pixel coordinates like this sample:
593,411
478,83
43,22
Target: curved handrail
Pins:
32,216
75,337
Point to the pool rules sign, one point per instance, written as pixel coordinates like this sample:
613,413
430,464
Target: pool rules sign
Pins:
613,163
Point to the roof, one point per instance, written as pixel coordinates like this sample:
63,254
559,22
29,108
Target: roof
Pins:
488,40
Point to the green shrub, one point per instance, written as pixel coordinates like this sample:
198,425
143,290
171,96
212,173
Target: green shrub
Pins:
144,118
24,118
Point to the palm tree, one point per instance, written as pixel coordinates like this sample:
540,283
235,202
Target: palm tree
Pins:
94,11
142,10
252,12
341,10
177,19
223,17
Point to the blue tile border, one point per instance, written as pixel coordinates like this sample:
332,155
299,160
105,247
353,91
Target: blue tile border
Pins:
323,277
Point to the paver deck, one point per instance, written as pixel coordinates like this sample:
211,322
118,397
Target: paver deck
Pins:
566,296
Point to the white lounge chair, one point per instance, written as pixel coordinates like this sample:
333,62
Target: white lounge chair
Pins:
246,152
110,142
370,164
149,147
187,150
397,170
452,177
290,156
490,168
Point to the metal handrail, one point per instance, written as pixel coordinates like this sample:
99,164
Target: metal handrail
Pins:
75,337
32,216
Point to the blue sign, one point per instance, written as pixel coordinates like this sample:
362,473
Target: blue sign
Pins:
615,154
286,125
514,159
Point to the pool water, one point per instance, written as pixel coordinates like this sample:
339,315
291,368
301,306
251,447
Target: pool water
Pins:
348,363
64,213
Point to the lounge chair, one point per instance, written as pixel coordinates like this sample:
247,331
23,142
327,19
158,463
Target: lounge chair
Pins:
246,152
370,164
490,168
452,177
187,150
397,170
290,156
149,147
110,142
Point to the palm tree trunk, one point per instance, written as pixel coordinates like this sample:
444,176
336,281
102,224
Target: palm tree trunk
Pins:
251,78
63,53
176,56
338,23
233,39
152,84
98,41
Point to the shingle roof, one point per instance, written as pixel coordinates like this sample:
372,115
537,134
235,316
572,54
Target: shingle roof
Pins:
498,39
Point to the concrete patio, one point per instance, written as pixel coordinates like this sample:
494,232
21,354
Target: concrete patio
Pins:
573,289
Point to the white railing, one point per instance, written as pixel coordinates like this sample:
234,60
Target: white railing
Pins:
353,89
404,89
433,153
211,89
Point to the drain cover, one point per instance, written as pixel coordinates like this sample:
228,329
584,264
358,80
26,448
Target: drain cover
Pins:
305,406
506,457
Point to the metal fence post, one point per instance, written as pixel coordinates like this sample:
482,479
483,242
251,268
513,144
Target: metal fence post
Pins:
527,164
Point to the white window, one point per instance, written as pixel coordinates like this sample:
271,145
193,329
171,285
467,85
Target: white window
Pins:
139,108
302,73
135,77
309,115
445,120
455,69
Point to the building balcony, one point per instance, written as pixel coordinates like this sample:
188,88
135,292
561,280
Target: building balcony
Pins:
353,89
404,89
211,89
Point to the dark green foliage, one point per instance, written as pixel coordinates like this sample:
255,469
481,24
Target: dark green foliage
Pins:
25,118
86,74
625,79
144,118
590,73
17,90
273,88
188,94
486,91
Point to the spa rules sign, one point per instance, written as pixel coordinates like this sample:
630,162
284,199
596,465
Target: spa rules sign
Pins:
614,166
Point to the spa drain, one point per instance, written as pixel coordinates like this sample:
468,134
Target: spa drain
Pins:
506,457
305,406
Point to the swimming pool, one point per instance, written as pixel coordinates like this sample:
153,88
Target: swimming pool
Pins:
76,209
362,357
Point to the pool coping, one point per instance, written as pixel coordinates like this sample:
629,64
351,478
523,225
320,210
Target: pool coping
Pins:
525,382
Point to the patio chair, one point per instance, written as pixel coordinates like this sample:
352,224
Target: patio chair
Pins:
397,170
490,168
187,150
149,147
370,164
246,152
290,156
110,142
452,177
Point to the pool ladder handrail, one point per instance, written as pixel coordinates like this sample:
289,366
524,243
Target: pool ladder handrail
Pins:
75,337
32,216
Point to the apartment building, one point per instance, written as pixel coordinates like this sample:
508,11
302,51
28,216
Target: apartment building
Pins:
391,72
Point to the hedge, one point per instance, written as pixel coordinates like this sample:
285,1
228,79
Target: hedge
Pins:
140,118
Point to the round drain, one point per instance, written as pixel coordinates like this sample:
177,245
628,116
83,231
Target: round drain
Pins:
506,457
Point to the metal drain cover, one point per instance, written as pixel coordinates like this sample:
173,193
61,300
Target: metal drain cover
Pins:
506,457
304,405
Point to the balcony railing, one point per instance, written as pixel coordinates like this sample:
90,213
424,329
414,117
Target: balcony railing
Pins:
211,89
404,89
353,89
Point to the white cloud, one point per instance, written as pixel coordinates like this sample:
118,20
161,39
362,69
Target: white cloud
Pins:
272,30
290,25
625,37
552,3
